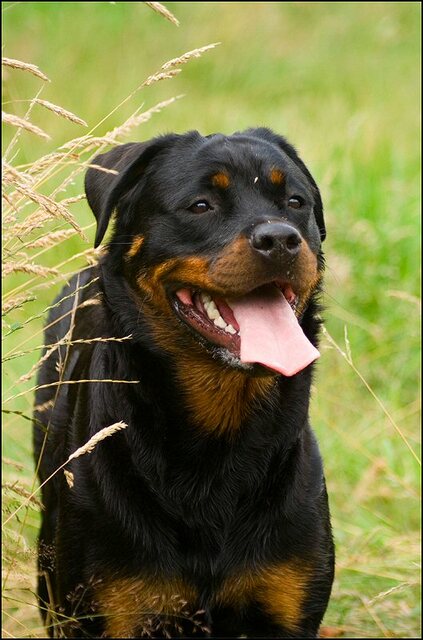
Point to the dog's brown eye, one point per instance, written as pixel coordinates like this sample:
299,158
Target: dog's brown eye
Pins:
295,202
200,207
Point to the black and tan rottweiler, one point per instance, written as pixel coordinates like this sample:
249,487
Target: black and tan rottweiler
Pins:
208,515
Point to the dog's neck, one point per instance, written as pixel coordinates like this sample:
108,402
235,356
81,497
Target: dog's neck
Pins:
219,398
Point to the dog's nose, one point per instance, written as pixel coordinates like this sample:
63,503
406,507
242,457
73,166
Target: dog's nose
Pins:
274,240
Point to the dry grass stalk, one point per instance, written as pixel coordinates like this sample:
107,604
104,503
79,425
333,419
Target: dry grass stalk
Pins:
195,53
92,340
48,353
90,303
65,340
347,357
13,176
61,278
100,168
67,201
58,303
164,75
163,11
86,142
60,383
15,121
12,463
44,406
407,297
51,239
64,113
34,269
56,209
90,255
45,162
19,354
135,121
18,579
69,477
10,217
96,438
24,66
34,221
15,487
15,303
89,142
86,448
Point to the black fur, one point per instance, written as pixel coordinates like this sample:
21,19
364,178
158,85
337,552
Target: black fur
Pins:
166,499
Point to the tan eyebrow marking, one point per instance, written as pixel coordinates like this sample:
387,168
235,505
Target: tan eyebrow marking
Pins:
276,176
221,180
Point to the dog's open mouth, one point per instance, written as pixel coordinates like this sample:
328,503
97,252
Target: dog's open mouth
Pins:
259,327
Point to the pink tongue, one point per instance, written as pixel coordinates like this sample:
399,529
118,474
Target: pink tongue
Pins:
270,333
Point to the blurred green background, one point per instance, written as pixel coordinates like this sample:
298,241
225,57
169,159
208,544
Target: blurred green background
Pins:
342,82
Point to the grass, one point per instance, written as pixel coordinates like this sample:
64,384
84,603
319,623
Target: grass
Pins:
340,80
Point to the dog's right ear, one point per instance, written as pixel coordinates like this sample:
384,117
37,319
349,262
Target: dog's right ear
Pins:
104,188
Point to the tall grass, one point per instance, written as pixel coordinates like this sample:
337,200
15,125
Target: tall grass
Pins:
341,81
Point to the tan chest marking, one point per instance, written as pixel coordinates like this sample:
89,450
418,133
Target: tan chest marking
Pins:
281,590
219,398
130,604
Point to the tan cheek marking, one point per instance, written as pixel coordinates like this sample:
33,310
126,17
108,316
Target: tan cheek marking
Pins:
307,275
281,591
128,603
221,180
237,267
192,270
276,176
136,245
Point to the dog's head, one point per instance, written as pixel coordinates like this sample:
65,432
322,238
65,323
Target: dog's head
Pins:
219,238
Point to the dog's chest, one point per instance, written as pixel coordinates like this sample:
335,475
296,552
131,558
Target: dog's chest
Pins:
138,606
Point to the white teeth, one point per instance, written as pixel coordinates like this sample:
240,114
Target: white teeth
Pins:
219,322
212,311
229,329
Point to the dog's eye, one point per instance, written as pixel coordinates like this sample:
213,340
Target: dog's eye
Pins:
295,202
200,207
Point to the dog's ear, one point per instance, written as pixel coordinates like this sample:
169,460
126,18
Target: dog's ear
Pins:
104,188
279,141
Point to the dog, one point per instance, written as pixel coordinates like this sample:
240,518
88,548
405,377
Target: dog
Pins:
207,516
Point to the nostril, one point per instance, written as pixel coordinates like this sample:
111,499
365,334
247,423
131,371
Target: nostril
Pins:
264,242
293,241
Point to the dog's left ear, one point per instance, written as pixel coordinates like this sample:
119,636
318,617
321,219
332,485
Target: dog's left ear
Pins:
279,141
123,167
